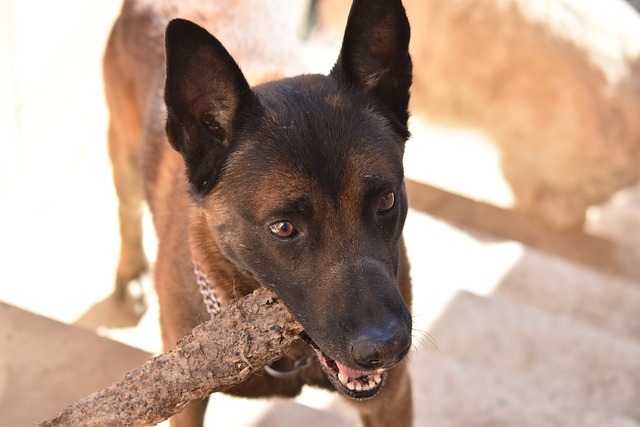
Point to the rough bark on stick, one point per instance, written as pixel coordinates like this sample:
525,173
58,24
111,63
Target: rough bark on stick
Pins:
215,355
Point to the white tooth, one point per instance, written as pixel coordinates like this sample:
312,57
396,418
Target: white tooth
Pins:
350,386
359,387
372,384
344,378
377,378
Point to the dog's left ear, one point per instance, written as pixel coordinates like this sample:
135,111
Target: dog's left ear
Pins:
375,55
206,94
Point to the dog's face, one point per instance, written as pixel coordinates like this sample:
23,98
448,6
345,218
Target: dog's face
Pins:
301,182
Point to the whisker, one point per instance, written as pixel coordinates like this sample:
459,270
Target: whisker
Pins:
425,339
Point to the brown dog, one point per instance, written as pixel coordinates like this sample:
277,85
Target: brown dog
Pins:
295,184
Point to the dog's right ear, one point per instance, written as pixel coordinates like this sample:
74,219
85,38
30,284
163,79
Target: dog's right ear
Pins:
205,92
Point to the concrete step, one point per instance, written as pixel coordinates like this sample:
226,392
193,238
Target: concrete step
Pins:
562,370
455,394
46,365
570,289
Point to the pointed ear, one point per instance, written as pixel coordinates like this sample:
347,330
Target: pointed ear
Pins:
375,54
205,93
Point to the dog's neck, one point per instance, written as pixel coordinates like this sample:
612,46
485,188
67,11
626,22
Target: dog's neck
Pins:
214,270
208,292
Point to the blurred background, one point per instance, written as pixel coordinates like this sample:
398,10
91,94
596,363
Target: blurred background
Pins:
524,232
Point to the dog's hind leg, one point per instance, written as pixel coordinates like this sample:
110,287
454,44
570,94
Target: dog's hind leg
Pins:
125,133
132,263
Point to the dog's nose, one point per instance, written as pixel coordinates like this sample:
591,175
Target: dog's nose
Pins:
381,347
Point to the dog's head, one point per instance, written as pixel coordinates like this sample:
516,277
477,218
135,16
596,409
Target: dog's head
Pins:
301,182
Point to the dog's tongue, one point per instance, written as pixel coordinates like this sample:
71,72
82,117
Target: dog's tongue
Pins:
352,373
359,380
353,379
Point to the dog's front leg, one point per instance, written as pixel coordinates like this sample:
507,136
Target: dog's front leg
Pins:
393,407
192,415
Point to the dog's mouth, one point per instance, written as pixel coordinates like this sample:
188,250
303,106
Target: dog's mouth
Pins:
351,382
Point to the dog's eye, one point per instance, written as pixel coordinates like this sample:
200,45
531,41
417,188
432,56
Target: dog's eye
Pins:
386,203
283,230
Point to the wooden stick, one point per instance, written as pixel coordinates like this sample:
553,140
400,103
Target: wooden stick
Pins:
215,355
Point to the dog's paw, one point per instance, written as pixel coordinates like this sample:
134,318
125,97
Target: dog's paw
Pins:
132,295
